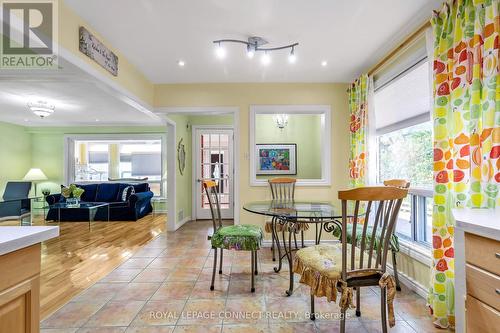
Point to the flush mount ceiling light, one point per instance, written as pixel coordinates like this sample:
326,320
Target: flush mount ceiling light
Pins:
254,45
41,108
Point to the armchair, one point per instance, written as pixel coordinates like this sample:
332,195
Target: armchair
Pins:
15,203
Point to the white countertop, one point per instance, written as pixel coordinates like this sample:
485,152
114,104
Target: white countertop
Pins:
15,238
479,221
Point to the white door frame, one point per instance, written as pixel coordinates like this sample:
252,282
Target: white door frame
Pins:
171,176
215,110
194,187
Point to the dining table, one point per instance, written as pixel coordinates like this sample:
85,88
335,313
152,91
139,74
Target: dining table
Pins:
287,217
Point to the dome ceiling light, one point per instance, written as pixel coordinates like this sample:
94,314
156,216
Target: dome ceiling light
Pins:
254,45
41,108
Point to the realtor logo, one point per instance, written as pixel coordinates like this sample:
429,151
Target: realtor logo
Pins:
29,34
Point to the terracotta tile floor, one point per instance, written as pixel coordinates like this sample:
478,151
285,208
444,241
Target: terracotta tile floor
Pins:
164,287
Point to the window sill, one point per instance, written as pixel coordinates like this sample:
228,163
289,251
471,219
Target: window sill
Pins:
416,251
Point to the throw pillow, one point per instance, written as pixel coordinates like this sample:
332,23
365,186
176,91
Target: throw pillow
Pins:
127,192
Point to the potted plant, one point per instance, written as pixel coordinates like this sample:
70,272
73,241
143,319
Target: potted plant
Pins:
72,194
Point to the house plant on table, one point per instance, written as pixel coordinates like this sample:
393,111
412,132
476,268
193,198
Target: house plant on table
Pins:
72,194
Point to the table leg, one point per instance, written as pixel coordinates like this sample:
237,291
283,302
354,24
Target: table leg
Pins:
288,252
277,244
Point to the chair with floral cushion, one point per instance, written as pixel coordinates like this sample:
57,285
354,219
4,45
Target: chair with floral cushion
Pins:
402,183
344,266
241,237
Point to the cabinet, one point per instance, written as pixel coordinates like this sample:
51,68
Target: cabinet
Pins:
20,290
477,270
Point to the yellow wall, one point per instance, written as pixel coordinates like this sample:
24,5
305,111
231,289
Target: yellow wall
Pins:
243,95
129,77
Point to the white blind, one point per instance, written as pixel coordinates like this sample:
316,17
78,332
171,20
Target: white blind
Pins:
402,90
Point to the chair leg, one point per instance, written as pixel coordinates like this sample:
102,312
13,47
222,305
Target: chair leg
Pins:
342,320
295,239
312,316
358,302
383,309
256,271
395,268
220,264
214,268
302,237
252,266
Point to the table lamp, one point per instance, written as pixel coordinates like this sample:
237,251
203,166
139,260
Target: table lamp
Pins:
34,175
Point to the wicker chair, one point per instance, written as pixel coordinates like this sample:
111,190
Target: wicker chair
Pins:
363,263
241,237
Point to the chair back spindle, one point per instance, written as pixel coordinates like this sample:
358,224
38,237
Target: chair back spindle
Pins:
282,189
387,201
210,187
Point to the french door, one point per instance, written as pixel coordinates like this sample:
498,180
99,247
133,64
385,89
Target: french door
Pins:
213,161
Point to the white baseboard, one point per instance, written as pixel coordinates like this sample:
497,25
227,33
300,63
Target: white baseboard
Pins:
410,283
181,223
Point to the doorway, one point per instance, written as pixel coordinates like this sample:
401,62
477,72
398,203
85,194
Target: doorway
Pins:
213,159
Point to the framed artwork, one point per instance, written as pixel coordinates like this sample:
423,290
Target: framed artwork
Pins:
276,159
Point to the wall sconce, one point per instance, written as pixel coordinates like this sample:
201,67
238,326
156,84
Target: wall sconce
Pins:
281,120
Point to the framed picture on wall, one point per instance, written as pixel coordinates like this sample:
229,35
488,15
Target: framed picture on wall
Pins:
276,159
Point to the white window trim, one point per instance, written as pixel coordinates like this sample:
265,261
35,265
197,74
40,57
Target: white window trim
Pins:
324,110
69,146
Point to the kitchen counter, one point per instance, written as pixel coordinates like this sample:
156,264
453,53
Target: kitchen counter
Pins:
15,238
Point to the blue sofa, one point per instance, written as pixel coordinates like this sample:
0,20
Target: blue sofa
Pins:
137,206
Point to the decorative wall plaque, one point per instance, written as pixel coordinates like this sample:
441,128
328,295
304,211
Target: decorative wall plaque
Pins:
97,51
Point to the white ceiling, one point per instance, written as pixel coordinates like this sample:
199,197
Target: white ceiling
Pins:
350,35
79,100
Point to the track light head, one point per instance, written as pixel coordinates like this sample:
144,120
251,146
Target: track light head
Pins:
292,58
266,59
220,51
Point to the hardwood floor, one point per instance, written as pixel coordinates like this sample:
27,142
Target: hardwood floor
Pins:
79,257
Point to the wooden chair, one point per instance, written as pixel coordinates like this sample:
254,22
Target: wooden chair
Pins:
241,237
363,262
401,183
282,189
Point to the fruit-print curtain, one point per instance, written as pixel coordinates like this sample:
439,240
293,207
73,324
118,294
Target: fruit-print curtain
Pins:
358,126
466,130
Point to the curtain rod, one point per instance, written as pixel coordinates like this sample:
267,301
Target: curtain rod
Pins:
395,51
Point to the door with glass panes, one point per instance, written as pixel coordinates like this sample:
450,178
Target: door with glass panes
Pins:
214,161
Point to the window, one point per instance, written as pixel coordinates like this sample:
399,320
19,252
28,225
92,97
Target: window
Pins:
404,145
98,159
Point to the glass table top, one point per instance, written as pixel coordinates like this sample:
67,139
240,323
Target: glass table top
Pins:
294,209
87,205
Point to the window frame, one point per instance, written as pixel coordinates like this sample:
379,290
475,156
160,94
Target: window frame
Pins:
69,152
418,195
326,144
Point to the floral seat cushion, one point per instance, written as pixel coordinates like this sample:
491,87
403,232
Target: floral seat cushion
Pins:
244,237
320,267
359,233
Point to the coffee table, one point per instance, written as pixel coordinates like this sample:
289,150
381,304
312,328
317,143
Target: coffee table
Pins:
91,207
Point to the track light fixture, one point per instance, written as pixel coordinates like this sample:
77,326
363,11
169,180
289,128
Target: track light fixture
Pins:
254,45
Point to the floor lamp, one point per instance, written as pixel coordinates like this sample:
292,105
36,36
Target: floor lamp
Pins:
35,175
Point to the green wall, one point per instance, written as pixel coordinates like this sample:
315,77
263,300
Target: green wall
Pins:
303,130
15,153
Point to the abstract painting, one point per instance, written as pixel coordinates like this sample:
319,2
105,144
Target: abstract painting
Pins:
276,159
